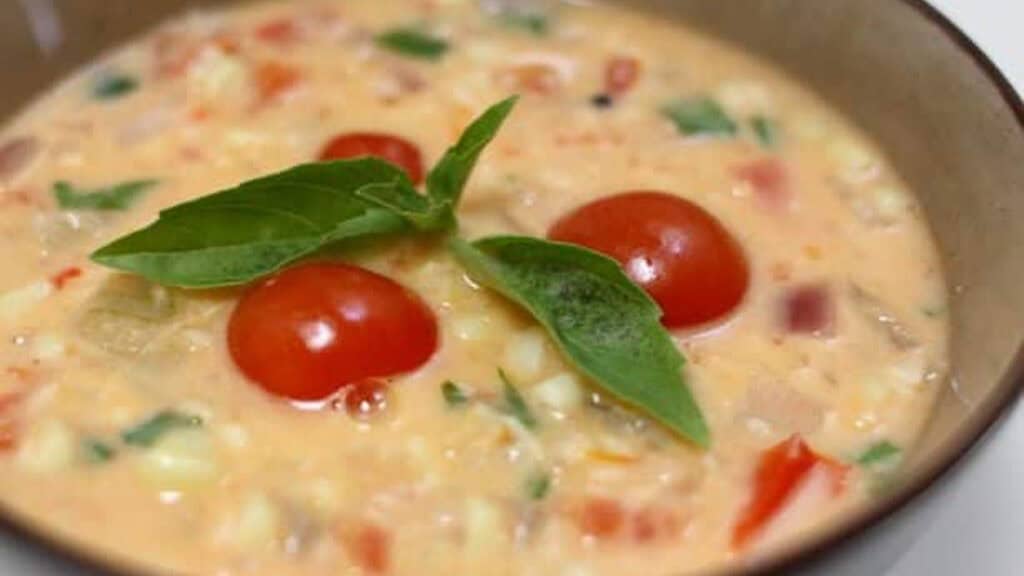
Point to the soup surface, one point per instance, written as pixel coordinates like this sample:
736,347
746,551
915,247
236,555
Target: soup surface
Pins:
131,423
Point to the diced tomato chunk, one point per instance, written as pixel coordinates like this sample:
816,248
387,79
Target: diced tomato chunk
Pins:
780,473
275,79
61,279
768,179
278,31
602,517
620,74
370,548
809,309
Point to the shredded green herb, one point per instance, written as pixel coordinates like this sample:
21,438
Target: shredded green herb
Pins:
117,197
413,43
149,432
97,451
113,85
538,486
765,130
515,405
453,395
881,454
532,22
699,116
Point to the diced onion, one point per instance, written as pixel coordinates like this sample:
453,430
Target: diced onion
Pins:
258,527
524,355
47,447
181,459
17,302
561,392
483,524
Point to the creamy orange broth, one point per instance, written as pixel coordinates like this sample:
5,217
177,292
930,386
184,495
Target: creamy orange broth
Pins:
422,488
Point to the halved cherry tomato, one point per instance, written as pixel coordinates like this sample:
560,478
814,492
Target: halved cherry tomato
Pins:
393,149
779,474
319,327
682,255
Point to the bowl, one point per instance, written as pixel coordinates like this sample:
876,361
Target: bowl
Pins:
949,121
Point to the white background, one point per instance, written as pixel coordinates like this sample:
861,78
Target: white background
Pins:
980,532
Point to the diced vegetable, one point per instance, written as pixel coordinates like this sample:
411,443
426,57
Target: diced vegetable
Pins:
48,446
602,518
453,395
534,77
561,392
97,451
149,432
370,548
112,85
621,74
524,354
538,485
117,197
809,309
766,131
874,310
279,31
880,456
769,180
779,474
15,155
274,80
413,43
533,22
515,405
60,279
699,116
182,458
126,314
258,526
17,302
786,409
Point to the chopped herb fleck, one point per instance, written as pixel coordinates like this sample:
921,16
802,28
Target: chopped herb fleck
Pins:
113,85
97,451
515,405
538,486
117,197
699,116
933,311
880,455
602,101
453,395
147,433
766,131
532,22
413,43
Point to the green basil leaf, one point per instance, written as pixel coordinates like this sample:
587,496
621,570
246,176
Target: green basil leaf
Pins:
881,454
699,116
97,451
237,235
113,85
413,43
149,432
453,395
447,179
765,130
533,22
538,486
515,405
604,323
117,197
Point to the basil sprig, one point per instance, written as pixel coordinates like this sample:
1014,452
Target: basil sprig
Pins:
605,324
237,235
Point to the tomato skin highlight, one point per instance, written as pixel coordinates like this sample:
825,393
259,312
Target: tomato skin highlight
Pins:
679,253
393,149
319,327
780,473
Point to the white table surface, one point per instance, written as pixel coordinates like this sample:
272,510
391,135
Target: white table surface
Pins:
981,530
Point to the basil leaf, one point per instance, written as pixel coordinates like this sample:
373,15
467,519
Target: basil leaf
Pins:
97,451
117,197
765,130
533,22
604,323
515,405
882,454
147,433
236,235
113,85
453,395
538,486
413,43
447,179
699,116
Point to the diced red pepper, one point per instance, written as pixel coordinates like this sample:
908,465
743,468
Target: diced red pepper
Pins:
780,473
280,31
537,77
809,309
61,279
275,79
602,517
370,548
621,74
769,180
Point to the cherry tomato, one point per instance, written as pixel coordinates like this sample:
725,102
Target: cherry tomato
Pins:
780,473
393,149
319,327
685,259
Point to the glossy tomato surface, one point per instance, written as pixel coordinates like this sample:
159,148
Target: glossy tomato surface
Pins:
393,149
316,328
682,255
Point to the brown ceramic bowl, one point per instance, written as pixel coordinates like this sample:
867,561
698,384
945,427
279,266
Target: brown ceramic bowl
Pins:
949,121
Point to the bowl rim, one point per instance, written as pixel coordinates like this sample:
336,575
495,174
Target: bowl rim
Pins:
75,554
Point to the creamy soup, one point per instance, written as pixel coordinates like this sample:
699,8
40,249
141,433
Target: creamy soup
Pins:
170,422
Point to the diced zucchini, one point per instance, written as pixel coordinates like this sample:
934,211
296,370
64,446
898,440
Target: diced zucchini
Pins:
182,459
